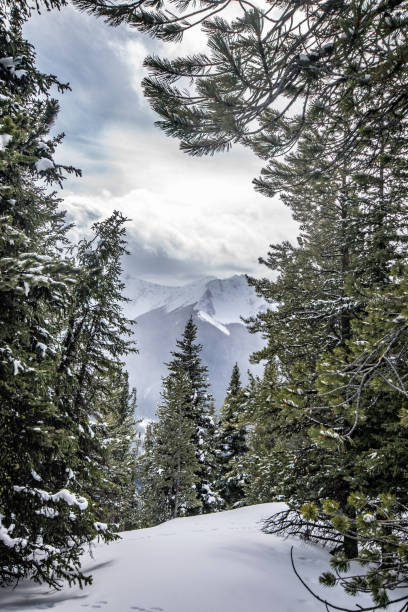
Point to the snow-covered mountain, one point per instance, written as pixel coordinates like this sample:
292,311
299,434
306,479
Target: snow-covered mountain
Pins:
223,300
161,312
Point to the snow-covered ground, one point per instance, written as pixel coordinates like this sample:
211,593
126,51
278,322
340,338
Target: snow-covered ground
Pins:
213,563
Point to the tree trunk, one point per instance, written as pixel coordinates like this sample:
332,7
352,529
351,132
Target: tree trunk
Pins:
350,545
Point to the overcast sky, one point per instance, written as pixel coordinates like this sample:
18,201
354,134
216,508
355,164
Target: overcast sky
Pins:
190,217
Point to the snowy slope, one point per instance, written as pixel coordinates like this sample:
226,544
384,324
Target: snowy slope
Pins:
225,300
211,563
147,296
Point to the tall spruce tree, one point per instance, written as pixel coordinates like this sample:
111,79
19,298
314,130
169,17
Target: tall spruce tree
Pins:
118,438
231,441
201,413
45,519
170,489
257,468
95,341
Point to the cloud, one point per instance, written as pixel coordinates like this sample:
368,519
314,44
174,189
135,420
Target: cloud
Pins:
189,216
203,212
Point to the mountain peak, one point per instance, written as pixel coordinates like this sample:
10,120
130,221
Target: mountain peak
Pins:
222,300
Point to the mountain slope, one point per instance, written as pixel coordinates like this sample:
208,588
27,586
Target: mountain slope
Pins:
161,314
210,563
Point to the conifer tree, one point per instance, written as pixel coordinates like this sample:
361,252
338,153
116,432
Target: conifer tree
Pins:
45,518
231,441
150,499
95,341
169,466
261,474
329,427
118,496
201,413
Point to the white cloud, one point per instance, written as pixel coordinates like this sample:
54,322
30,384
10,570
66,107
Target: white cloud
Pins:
132,53
204,211
189,215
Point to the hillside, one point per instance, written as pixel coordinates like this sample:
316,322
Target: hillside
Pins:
212,563
161,312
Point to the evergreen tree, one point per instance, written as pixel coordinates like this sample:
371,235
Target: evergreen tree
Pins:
258,467
169,466
231,441
93,347
45,518
118,503
201,413
328,428
150,500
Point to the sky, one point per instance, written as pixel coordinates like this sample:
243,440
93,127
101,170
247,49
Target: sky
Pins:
189,217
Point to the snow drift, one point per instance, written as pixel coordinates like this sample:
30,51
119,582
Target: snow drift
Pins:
213,563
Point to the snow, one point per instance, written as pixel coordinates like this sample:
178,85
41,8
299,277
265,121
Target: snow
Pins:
4,140
142,425
8,540
17,365
43,146
36,476
212,563
43,164
209,319
100,526
368,518
225,300
69,498
42,347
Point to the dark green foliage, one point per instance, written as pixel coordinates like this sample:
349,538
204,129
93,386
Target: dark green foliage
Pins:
53,366
120,467
231,441
169,466
95,388
338,427
201,412
44,521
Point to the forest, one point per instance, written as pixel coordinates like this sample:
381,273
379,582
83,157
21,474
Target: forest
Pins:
318,90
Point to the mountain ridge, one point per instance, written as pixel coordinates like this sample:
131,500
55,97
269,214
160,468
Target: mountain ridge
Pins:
161,313
209,294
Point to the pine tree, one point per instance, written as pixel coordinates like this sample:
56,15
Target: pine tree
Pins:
150,500
231,441
94,387
201,413
169,466
329,428
118,433
45,519
343,63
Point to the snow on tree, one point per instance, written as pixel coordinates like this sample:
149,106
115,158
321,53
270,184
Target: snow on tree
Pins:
168,469
231,441
201,413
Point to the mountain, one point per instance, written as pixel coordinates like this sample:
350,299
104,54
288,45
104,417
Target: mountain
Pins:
219,562
161,313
